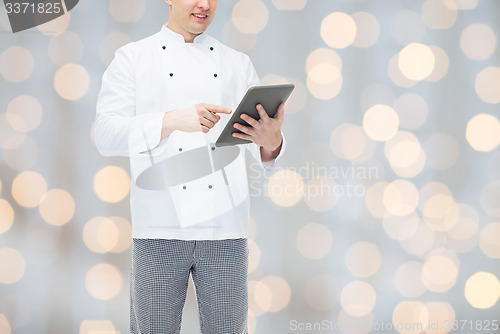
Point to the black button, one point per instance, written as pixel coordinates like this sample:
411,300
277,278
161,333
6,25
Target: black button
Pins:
215,75
183,187
171,74
180,149
163,47
210,187
213,148
211,48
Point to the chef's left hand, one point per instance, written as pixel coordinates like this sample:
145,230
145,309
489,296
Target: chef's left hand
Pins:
266,132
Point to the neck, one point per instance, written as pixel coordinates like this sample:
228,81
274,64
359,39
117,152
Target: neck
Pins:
188,37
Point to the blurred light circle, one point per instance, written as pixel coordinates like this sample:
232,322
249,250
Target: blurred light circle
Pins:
321,292
441,151
363,259
127,10
285,188
4,324
325,91
396,75
461,4
376,93
400,198
10,139
323,73
367,29
238,40
429,190
6,216
401,228
319,194
103,281
290,4
408,281
412,110
482,290
71,81
416,61
349,142
314,241
16,64
24,157
56,26
298,99
57,207
358,298
437,206
489,241
280,291
112,184
441,64
259,297
66,47
254,255
24,113
338,30
353,142
250,16
409,313
437,16
125,234
349,324
483,132
466,225
12,265
439,273
97,327
405,155
380,122
407,27
478,41
490,199
100,235
374,199
28,188
109,44
488,84
440,313
420,242
323,56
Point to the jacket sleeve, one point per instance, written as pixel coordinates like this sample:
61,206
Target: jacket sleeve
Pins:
253,80
119,131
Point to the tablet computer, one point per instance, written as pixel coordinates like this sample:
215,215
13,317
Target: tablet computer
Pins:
270,97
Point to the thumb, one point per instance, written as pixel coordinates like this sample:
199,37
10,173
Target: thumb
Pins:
280,115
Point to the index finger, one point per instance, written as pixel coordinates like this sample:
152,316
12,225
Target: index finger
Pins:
217,109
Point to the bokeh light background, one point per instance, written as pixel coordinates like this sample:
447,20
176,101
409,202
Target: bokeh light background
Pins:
385,209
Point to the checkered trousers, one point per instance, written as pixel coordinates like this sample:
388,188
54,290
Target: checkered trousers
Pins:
159,281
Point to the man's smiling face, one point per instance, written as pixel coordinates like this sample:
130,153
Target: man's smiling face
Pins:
190,18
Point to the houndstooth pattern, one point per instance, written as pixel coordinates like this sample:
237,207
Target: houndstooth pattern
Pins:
159,281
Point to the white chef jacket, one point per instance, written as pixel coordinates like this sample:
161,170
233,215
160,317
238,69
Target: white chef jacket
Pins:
183,187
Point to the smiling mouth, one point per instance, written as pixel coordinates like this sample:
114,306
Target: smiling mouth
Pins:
200,16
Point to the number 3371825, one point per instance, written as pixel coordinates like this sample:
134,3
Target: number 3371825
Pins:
32,8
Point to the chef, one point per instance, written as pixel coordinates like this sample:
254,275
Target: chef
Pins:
164,101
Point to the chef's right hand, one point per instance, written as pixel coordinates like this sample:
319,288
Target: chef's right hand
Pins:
200,117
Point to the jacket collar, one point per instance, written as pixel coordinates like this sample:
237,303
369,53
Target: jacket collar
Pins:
172,36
